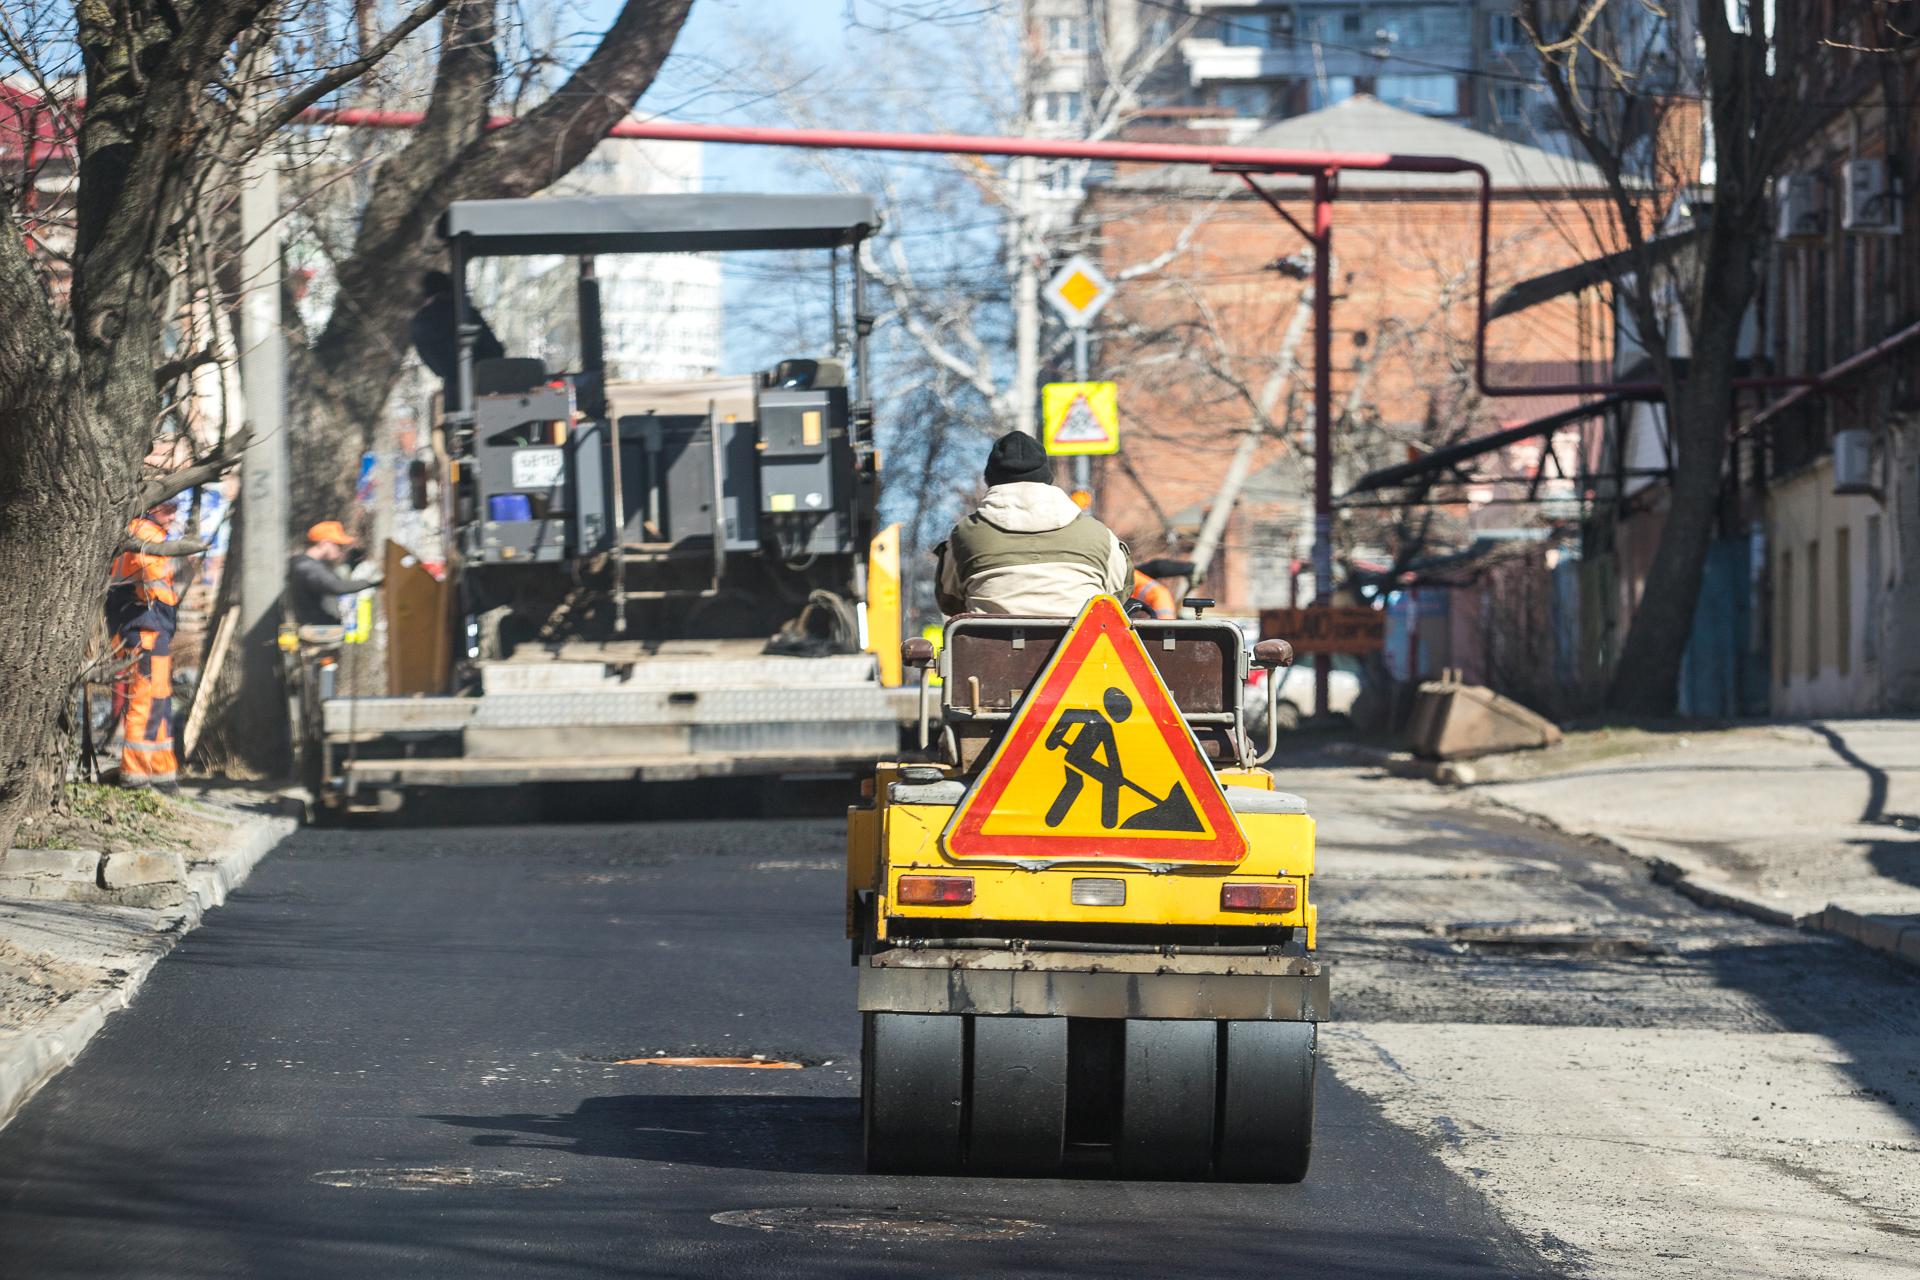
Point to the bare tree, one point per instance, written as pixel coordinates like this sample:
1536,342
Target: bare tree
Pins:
961,341
1758,85
160,108
341,381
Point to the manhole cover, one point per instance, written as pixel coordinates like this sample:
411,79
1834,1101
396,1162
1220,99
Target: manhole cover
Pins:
878,1224
435,1179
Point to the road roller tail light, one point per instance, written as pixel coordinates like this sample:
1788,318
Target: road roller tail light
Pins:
936,891
1259,897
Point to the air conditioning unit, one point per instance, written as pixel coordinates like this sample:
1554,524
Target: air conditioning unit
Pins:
1869,202
1853,461
1802,215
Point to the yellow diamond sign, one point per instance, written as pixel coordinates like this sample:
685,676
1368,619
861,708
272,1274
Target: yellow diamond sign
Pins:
1078,291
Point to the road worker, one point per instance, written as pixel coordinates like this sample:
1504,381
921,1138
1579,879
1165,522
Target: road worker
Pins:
1152,594
314,585
142,610
1028,550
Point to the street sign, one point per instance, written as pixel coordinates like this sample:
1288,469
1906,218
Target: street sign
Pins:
1097,764
1079,291
1327,630
1078,419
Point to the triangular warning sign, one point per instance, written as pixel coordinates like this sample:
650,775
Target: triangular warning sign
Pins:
1097,764
1080,425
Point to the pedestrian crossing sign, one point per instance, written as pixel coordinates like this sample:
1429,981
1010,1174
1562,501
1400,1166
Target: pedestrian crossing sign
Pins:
1080,418
1097,764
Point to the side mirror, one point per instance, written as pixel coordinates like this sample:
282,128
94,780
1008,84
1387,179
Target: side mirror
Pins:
916,652
1269,654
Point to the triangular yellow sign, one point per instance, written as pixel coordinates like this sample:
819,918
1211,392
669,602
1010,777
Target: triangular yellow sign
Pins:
1097,764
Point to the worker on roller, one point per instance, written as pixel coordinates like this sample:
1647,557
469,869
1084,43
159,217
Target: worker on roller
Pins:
1028,550
142,610
314,585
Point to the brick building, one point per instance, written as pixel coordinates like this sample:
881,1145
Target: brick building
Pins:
1213,341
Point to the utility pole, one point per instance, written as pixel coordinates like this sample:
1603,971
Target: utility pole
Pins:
263,468
1322,419
1025,391
1026,297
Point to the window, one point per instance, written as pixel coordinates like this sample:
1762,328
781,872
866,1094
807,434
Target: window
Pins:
1505,32
1843,599
1510,102
1066,35
1447,25
1813,610
1061,107
1334,26
1256,28
1870,635
1428,95
1252,99
1784,631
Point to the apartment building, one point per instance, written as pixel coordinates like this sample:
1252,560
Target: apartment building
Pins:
1842,460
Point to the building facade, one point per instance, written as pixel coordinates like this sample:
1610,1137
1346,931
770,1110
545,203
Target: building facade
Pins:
1215,344
1842,460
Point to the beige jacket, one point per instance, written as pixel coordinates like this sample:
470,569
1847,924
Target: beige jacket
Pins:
1028,551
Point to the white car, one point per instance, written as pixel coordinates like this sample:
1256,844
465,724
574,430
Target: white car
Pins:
1296,696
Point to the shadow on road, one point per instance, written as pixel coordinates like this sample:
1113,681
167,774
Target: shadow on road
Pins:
787,1134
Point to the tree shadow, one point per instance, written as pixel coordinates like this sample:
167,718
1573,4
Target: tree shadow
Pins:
781,1134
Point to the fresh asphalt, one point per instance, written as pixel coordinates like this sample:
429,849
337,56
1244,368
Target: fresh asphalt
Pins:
392,1054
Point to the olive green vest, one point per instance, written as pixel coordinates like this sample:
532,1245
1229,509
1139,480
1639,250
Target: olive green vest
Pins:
979,546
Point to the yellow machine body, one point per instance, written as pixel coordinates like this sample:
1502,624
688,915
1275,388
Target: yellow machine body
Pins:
890,840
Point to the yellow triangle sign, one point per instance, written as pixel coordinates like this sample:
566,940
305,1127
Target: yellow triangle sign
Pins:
1097,764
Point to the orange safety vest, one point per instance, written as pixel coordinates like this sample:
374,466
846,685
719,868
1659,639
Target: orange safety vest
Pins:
1153,593
141,594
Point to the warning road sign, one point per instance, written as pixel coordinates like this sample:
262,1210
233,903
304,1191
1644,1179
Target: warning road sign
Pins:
1097,764
1080,418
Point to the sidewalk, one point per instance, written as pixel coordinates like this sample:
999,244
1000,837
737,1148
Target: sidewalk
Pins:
1814,824
81,928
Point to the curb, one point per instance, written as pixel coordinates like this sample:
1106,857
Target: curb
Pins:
1895,936
30,1060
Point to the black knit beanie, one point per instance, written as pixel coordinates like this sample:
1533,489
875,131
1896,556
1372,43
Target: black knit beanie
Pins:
1017,457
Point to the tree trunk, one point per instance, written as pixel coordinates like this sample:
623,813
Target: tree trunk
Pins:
60,519
1646,681
341,387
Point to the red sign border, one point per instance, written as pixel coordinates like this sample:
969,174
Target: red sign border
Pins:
1102,616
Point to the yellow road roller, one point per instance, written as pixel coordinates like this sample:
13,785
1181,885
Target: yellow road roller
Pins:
1084,933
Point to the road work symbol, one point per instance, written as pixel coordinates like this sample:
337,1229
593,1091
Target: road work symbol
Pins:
1084,751
1097,763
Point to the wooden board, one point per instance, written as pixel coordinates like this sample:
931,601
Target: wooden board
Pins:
418,635
1327,630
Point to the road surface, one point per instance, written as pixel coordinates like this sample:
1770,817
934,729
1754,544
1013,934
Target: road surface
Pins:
396,1053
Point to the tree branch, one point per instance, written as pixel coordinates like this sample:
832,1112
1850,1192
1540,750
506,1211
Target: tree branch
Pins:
290,108
224,459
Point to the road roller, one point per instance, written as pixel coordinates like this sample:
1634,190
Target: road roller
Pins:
1083,925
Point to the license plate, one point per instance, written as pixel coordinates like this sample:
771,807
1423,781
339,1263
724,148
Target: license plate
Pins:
537,468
